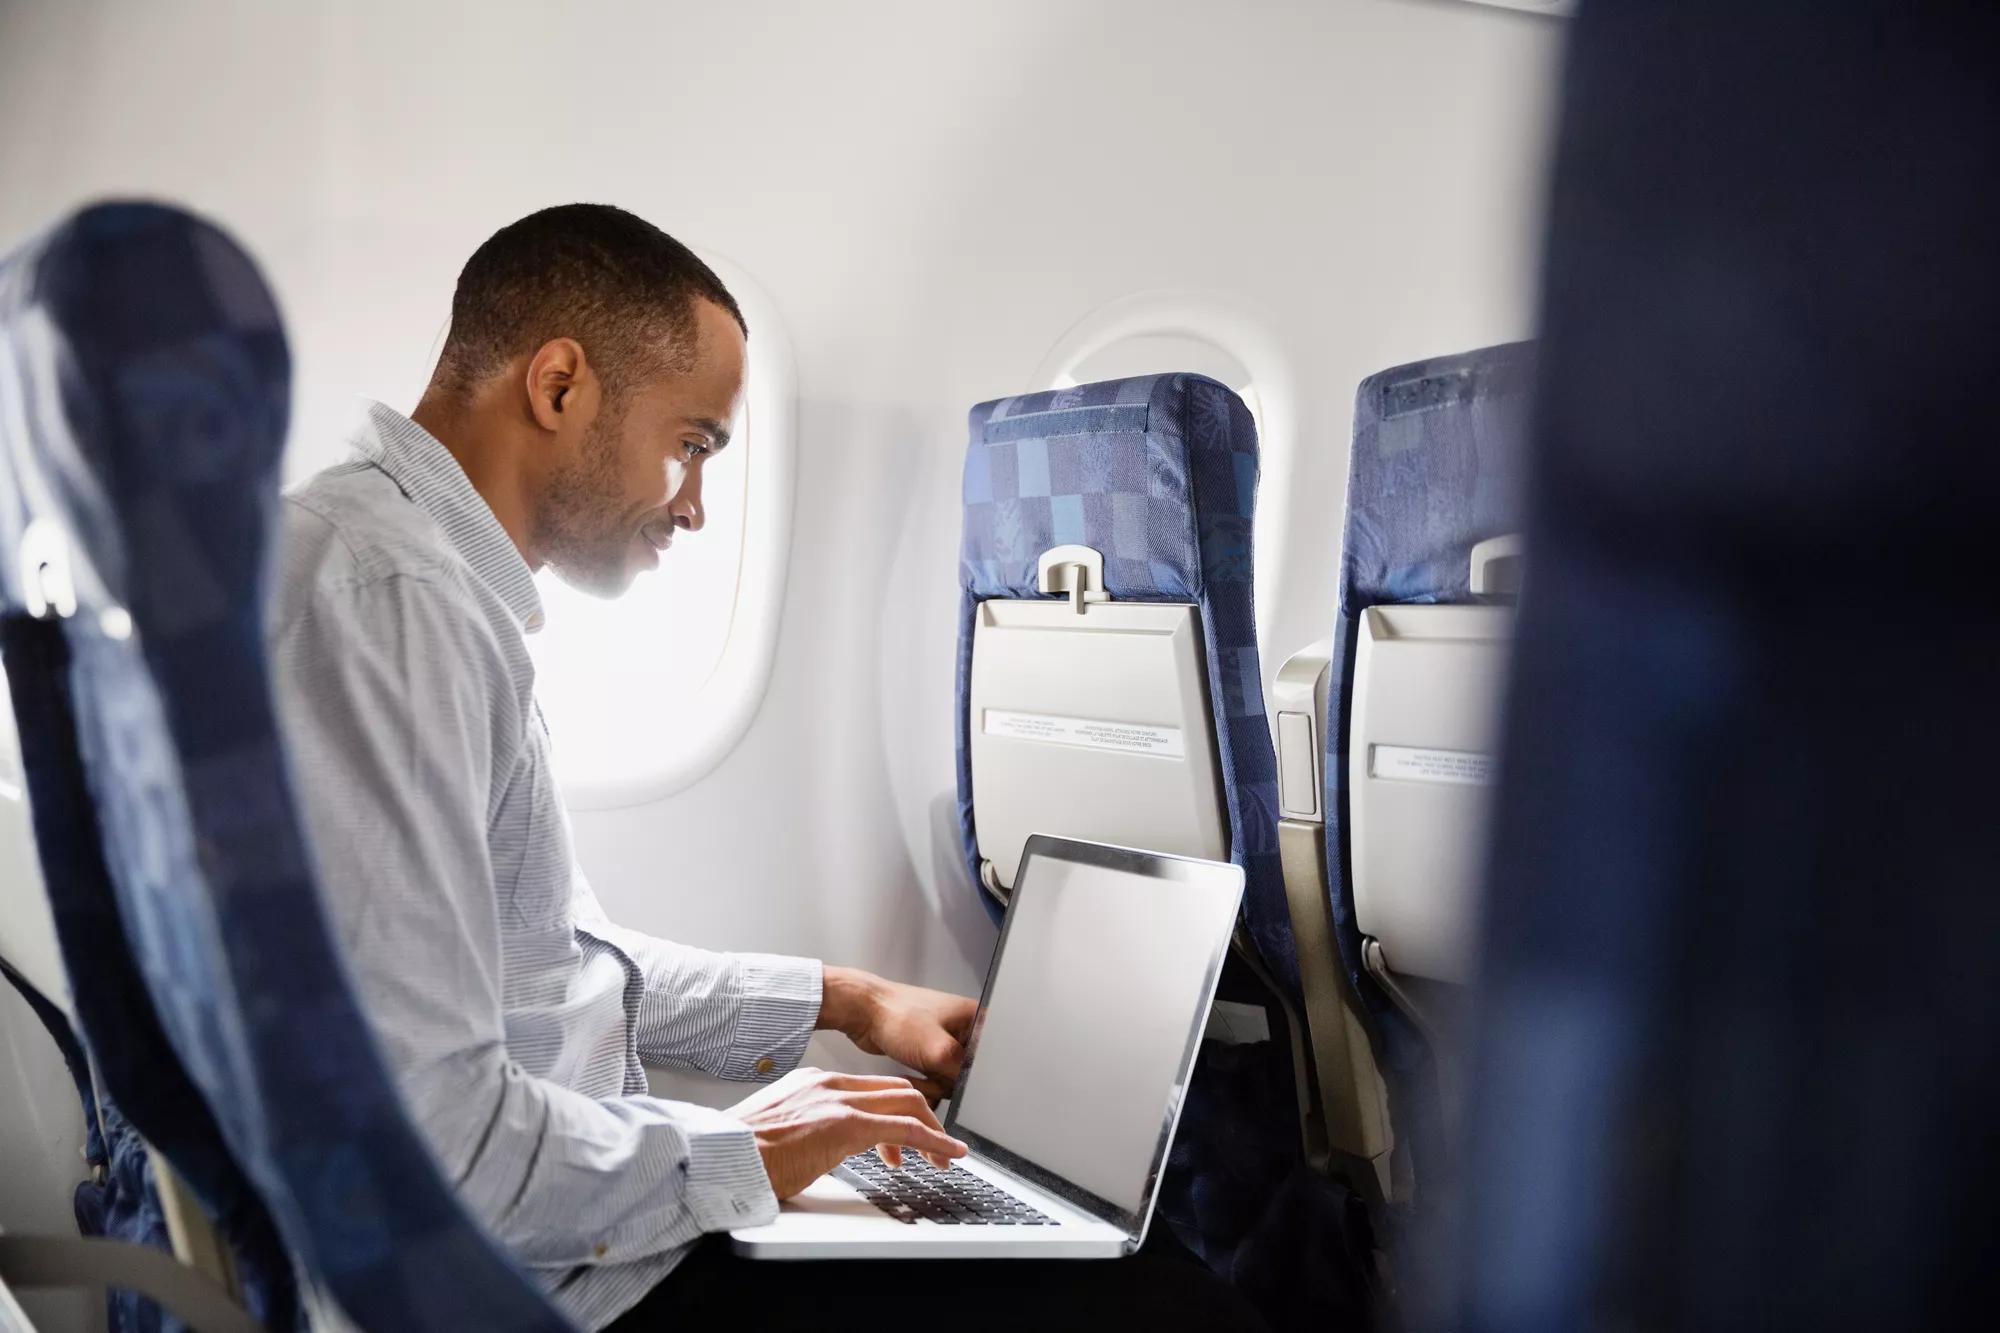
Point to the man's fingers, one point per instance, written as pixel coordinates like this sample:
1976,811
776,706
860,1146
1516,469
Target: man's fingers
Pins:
933,1090
906,1101
905,1097
910,1132
945,1057
959,1015
865,1082
893,1155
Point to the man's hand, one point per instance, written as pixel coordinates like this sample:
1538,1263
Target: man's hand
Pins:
810,1119
923,1029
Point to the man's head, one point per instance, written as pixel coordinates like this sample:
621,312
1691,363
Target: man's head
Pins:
619,356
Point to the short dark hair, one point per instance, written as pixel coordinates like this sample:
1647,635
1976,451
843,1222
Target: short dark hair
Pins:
617,284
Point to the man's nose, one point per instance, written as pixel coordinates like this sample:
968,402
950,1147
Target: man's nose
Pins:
686,504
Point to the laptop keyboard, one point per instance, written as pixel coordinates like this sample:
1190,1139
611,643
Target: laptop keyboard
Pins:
919,1192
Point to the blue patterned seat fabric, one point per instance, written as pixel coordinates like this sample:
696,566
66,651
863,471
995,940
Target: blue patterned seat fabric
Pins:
143,394
1159,474
1436,469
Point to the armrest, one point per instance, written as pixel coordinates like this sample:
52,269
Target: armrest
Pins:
71,1261
1352,1134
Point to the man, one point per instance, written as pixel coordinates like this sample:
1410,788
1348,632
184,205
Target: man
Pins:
590,372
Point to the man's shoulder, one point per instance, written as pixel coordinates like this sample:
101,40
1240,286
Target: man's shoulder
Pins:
352,522
350,529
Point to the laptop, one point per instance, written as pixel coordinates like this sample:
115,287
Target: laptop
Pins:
1080,1056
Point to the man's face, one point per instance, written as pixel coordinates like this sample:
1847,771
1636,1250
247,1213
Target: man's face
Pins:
633,483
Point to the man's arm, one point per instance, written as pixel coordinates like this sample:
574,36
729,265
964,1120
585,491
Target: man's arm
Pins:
396,719
739,1016
747,1016
395,724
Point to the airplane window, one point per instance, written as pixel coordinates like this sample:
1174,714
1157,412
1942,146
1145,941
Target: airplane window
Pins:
647,692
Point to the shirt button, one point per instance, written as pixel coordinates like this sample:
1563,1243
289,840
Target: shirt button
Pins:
766,1065
602,1249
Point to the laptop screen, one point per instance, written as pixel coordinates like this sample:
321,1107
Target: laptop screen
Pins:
1097,996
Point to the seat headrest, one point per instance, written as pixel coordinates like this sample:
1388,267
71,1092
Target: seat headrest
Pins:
124,321
1157,473
1438,447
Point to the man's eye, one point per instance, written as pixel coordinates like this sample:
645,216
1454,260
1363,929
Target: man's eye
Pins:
696,449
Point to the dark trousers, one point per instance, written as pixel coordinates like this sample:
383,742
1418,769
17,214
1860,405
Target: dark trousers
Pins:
1162,1286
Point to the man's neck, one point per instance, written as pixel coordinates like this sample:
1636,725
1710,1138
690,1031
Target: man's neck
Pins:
483,443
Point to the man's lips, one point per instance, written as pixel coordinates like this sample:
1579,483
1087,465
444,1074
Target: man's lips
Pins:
659,533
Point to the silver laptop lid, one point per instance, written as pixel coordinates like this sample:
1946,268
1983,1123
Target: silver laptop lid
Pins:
1091,1017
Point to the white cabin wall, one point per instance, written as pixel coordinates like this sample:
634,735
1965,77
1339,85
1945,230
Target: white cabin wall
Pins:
932,193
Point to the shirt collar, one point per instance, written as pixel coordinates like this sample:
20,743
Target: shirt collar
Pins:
416,461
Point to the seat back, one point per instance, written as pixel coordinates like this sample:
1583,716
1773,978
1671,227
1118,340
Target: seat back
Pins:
1107,636
1423,725
143,400
1734,1065
1109,689
1432,492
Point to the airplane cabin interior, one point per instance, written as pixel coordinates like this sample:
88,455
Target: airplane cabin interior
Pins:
1304,665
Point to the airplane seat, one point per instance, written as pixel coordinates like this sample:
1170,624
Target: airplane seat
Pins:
1109,689
144,383
1386,737
1735,1051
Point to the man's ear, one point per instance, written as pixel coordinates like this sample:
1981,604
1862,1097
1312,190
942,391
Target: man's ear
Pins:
560,384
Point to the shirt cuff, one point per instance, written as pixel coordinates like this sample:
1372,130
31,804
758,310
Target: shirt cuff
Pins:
779,1009
724,1173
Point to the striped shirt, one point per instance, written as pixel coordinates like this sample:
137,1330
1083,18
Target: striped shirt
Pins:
514,1014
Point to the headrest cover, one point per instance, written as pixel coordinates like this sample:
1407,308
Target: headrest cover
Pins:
1158,473
1435,470
129,324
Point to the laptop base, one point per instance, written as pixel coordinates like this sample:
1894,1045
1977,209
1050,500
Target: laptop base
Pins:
831,1220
